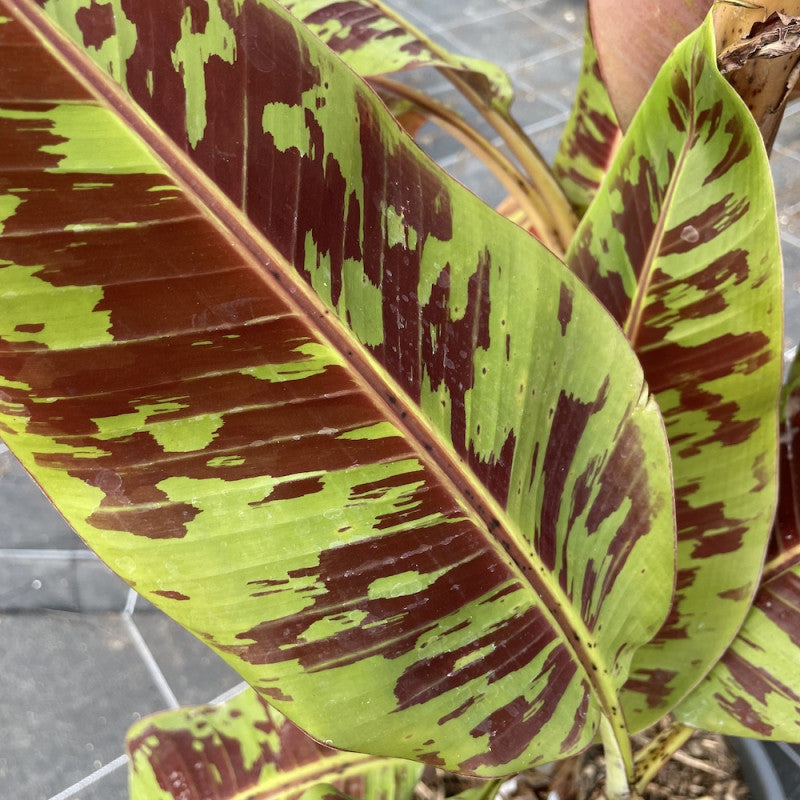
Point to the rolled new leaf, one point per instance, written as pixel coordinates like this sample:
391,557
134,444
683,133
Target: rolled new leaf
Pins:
635,38
246,749
411,506
633,41
753,689
681,243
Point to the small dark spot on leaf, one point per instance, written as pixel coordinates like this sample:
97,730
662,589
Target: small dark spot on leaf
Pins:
172,595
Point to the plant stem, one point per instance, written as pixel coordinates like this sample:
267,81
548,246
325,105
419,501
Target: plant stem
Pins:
651,758
617,768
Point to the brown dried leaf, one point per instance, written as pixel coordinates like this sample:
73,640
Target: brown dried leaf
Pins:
759,54
778,36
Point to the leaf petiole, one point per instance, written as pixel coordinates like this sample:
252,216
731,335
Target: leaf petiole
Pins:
619,762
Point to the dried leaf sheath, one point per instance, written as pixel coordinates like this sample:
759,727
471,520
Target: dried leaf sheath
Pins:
442,528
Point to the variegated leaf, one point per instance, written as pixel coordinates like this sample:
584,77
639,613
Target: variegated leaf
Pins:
591,136
246,749
411,508
753,691
634,39
373,39
681,244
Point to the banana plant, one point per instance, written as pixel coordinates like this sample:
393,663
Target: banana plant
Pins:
399,463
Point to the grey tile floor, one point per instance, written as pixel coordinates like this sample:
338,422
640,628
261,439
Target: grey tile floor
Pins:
81,657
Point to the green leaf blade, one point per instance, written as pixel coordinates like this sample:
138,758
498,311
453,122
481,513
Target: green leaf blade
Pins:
591,136
245,749
682,246
752,691
349,490
374,40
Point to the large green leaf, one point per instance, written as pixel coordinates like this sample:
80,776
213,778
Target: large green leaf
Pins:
411,509
681,244
591,136
245,749
753,690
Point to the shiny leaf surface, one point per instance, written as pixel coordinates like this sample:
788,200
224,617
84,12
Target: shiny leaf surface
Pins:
245,749
374,40
681,244
412,486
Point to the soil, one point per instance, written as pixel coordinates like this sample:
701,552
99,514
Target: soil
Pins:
704,769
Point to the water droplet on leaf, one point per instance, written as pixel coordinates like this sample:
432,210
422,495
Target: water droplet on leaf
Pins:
690,234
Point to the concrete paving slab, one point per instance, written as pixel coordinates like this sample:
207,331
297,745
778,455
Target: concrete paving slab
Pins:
27,518
512,38
70,686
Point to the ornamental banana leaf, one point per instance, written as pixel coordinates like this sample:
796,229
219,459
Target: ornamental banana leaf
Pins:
591,136
681,243
246,749
753,690
310,396
374,40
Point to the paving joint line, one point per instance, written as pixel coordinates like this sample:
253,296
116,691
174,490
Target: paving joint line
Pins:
147,657
91,778
46,554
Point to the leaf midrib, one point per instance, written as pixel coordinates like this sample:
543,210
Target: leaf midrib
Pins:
633,322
